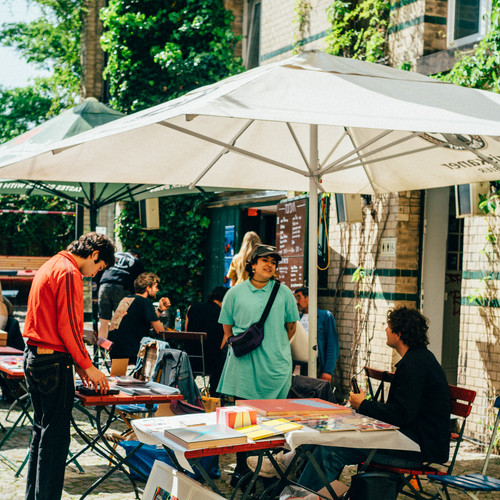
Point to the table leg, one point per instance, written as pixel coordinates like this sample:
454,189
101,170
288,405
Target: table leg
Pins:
24,404
115,458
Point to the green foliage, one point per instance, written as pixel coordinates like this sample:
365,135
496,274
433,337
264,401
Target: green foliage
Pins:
302,20
35,234
175,252
358,275
20,110
358,29
479,68
488,203
160,50
51,42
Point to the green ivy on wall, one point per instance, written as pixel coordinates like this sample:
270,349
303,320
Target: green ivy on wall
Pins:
175,252
358,29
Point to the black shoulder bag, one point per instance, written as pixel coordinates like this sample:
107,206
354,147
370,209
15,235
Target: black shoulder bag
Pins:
251,338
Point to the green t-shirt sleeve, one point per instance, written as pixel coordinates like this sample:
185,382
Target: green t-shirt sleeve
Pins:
226,313
291,310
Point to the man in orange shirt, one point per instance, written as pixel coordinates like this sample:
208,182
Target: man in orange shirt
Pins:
54,333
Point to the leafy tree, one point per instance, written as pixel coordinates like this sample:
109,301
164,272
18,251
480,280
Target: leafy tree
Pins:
159,50
359,29
176,251
480,67
20,110
35,234
51,42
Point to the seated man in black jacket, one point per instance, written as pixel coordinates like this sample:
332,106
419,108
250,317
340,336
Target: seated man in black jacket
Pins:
418,403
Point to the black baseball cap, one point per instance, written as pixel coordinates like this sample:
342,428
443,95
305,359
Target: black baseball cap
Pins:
264,251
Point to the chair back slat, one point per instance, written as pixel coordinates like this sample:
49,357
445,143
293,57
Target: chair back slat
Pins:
382,376
461,401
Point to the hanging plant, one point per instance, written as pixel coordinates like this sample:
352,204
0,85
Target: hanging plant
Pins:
303,23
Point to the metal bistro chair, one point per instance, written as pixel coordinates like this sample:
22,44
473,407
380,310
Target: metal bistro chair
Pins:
461,407
471,483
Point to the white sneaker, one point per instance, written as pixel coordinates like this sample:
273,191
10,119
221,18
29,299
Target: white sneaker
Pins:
267,469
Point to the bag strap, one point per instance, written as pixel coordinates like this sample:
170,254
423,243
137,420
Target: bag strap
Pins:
270,302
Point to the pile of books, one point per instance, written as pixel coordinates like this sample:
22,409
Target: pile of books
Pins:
136,387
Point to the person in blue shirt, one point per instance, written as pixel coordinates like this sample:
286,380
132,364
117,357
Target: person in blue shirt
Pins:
327,338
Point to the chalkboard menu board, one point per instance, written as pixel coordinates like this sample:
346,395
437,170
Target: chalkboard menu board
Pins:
291,234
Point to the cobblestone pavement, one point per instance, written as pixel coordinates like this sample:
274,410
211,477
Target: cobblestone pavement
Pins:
118,486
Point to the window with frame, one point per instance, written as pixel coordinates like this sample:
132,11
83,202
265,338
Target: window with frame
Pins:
467,21
252,45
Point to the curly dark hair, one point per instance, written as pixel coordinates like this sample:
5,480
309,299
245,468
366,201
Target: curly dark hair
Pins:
85,245
410,324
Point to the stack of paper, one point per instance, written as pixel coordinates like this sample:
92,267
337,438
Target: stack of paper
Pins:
268,428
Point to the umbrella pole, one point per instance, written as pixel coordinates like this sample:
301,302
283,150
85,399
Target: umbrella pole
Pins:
92,208
313,251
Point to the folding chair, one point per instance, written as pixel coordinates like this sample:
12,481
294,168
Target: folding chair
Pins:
119,367
383,377
461,406
470,483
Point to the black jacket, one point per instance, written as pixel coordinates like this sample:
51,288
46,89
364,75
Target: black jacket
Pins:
418,403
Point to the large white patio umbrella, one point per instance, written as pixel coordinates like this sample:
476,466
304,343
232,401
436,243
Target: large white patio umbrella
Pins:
90,113
313,122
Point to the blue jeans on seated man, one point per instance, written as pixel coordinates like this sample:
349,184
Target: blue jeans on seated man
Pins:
51,387
332,460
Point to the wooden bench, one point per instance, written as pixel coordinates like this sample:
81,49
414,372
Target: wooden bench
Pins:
17,272
21,263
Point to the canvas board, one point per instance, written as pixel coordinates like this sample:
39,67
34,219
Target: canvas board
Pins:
167,483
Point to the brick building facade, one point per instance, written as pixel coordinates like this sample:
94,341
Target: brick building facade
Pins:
465,336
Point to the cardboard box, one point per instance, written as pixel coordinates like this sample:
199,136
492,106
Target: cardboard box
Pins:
236,416
3,338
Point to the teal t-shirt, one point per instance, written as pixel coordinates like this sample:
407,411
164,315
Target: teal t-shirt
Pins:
266,372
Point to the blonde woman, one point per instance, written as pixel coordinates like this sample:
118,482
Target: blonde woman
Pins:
237,272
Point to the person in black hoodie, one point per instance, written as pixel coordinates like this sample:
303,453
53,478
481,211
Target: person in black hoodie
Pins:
418,403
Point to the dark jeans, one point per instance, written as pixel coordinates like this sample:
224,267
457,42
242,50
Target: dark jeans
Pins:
51,387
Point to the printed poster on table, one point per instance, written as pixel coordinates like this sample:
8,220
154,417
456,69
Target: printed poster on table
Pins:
167,483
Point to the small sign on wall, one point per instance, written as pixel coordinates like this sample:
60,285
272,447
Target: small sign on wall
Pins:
388,247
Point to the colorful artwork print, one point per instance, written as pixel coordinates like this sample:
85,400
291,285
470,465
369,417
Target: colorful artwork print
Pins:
161,494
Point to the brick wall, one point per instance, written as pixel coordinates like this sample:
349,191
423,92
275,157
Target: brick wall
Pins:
237,8
278,29
390,280
417,28
479,350
92,56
